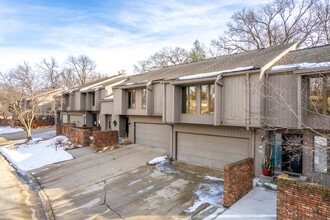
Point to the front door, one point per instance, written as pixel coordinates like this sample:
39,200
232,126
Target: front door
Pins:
94,119
292,153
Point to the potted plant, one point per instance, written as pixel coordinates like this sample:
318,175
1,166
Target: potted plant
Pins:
266,167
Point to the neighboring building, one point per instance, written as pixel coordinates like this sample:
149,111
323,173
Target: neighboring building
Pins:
82,104
45,104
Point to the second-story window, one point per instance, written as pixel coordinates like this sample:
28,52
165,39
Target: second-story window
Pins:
207,99
131,98
319,94
93,98
67,99
189,100
144,98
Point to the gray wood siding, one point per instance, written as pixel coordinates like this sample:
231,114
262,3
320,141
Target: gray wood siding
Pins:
234,96
282,96
119,105
254,100
107,108
157,99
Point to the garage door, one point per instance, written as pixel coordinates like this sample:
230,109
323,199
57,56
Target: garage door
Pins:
65,118
78,119
211,151
154,135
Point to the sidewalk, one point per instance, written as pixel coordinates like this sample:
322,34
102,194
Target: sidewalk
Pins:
17,200
259,203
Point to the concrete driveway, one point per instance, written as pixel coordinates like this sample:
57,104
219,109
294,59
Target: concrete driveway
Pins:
118,184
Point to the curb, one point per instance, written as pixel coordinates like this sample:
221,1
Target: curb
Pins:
44,198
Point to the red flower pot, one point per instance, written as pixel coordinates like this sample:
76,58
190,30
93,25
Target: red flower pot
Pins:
265,172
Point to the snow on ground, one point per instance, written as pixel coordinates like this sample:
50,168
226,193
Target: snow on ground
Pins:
8,129
214,74
35,153
210,193
301,66
158,160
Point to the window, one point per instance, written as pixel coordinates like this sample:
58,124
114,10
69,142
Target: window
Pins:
189,100
144,98
319,94
131,98
67,99
93,98
207,99
320,154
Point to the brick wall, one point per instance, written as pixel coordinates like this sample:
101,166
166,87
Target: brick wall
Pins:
238,181
103,139
301,200
43,123
15,124
77,135
5,122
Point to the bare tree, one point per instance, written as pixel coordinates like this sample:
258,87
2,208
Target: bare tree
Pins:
68,77
83,67
51,73
276,23
163,58
19,89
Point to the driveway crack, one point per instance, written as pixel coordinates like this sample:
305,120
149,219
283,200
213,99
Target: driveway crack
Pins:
105,201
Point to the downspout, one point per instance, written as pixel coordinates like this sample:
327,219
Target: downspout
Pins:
164,103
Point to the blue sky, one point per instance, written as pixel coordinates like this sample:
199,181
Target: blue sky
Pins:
116,34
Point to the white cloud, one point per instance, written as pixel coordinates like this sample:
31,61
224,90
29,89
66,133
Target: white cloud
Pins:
115,41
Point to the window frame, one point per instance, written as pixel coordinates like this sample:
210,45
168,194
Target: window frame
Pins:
327,159
144,98
130,94
208,99
186,100
93,98
325,93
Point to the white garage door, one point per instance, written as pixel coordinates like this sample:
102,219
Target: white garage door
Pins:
65,118
211,151
154,135
78,119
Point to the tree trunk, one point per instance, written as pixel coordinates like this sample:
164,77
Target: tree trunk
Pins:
28,134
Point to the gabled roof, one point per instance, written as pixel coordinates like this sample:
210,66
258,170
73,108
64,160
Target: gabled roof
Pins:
255,58
96,84
308,58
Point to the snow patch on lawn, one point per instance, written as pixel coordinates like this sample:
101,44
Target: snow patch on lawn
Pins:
35,154
8,129
158,160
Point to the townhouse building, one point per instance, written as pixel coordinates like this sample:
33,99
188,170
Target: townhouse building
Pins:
221,110
81,104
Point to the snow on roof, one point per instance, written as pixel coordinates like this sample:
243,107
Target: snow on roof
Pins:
92,89
110,97
70,90
301,66
213,74
137,83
